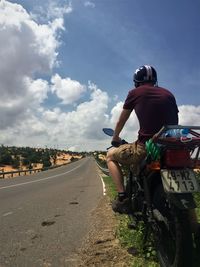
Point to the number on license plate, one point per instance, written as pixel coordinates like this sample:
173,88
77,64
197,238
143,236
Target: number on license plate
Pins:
179,181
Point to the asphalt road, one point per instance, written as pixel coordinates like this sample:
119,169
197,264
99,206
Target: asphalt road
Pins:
45,216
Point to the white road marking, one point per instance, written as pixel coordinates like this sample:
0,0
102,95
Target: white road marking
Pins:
103,184
104,187
39,180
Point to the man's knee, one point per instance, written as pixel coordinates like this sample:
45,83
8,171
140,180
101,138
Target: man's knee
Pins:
109,156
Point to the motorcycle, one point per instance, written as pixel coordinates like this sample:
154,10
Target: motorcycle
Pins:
161,194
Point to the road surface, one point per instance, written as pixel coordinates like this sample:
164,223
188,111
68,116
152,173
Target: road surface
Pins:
45,216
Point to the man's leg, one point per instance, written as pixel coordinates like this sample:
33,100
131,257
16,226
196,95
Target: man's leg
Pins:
122,203
115,171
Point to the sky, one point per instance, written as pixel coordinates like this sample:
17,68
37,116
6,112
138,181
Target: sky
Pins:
66,66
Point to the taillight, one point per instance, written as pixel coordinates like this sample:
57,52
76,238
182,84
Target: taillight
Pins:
177,158
154,166
196,164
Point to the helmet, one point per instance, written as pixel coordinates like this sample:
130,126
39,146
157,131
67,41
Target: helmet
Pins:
145,73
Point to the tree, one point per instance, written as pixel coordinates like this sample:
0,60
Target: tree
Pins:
25,162
16,163
6,158
46,160
46,163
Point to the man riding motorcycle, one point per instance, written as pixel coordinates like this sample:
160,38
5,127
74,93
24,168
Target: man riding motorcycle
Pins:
154,107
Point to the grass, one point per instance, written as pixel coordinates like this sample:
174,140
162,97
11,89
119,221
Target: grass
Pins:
197,198
132,240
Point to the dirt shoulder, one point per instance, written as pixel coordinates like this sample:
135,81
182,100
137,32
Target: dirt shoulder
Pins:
101,247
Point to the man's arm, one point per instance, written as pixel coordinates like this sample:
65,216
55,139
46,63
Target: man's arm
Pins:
120,124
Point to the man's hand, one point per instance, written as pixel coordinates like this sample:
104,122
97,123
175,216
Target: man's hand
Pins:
116,141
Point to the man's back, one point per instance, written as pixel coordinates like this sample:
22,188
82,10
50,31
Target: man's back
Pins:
154,107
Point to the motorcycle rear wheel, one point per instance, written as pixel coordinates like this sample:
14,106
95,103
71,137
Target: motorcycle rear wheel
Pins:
174,243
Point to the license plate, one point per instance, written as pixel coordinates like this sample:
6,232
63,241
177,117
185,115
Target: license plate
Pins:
179,181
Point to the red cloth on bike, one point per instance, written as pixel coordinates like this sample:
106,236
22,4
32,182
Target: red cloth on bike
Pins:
154,107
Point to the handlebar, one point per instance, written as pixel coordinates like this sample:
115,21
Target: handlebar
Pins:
117,144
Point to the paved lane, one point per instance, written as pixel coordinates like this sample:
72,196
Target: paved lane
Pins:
44,217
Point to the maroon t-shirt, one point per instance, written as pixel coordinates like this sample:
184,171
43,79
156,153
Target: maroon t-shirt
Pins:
154,107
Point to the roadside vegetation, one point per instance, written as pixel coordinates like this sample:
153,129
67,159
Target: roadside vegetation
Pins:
28,157
132,240
197,198
100,157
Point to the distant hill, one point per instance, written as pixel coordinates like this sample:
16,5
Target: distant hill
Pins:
15,158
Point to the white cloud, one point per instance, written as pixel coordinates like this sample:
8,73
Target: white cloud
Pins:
85,123
50,11
116,98
89,4
131,127
55,11
26,49
115,112
189,115
68,90
33,128
26,42
52,116
80,128
29,49
37,90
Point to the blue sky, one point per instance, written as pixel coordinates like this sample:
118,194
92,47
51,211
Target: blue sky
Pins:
104,41
108,42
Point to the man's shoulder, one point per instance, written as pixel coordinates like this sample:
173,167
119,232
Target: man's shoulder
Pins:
153,89
164,90
145,89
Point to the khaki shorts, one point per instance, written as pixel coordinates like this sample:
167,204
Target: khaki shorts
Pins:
130,154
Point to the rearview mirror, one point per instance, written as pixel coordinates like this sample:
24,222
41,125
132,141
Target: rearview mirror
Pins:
108,131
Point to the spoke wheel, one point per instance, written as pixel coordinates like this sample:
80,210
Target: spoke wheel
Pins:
174,242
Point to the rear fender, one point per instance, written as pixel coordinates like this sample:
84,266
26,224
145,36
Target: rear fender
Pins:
182,201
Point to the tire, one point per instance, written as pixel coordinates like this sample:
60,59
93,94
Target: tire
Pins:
132,193
129,186
174,243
